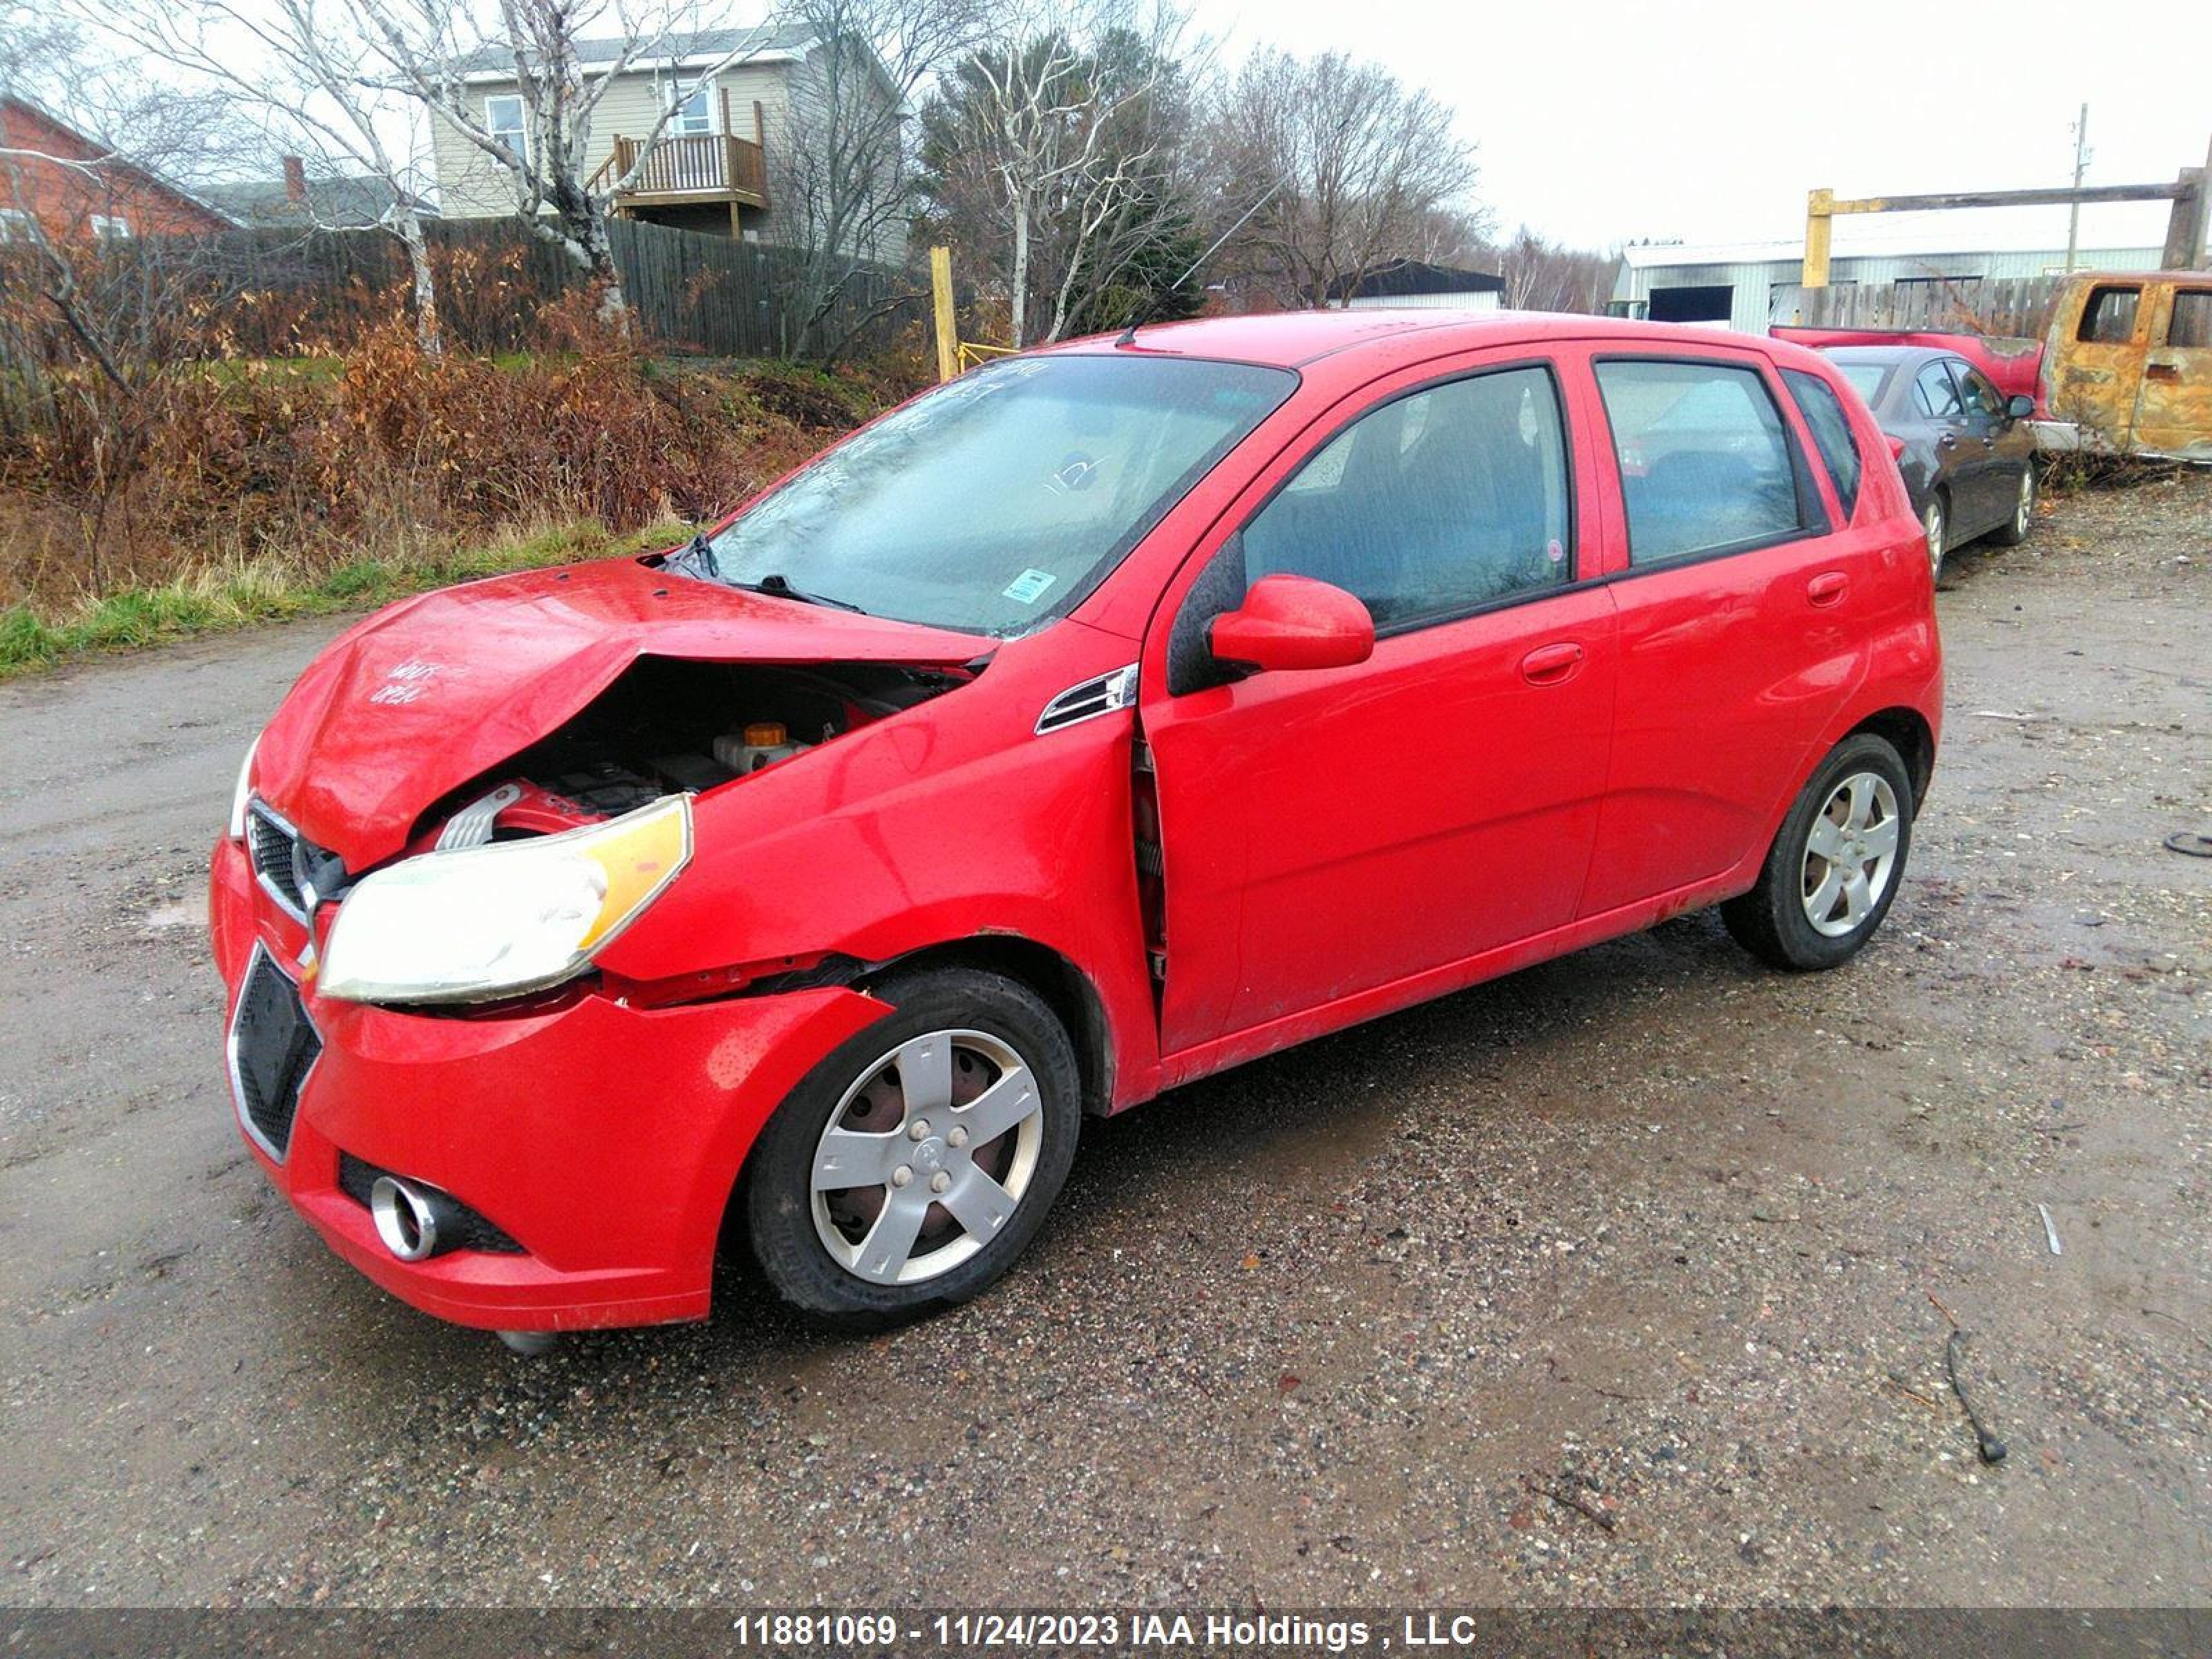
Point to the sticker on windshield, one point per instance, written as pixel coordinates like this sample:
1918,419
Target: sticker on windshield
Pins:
1028,587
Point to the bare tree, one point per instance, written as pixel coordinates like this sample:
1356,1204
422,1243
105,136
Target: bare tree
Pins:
843,162
304,77
1366,167
1054,145
423,48
1546,276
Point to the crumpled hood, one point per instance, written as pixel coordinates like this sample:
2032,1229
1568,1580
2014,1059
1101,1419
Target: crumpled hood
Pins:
416,700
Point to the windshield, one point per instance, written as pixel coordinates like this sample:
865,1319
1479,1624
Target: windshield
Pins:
1001,499
1866,379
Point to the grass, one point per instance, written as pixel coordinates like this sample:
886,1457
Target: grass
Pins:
241,594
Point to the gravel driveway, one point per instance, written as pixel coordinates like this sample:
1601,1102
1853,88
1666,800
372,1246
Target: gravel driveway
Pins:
1617,1280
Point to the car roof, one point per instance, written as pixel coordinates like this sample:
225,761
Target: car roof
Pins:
1291,339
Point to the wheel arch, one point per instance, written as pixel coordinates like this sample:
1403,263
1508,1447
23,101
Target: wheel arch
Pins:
1905,730
1066,988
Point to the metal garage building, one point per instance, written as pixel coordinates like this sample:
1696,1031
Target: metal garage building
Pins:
1750,286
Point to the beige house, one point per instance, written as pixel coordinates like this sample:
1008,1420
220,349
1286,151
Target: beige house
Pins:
714,167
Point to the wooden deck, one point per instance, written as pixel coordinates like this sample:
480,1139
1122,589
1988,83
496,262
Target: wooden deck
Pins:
697,168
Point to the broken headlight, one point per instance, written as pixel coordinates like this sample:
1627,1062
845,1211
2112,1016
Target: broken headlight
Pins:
482,922
242,793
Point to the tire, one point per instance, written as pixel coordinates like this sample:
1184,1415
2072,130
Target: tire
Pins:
1792,918
953,1038
2015,530
1935,524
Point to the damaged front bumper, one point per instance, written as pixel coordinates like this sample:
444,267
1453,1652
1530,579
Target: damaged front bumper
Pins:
600,1139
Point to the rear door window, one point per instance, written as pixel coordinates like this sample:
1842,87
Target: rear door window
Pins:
1832,433
2191,327
1706,465
2109,318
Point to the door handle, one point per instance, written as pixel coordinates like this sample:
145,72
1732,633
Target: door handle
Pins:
2161,371
1949,440
1548,665
1827,587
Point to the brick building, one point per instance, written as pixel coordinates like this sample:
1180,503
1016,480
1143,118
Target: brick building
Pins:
74,187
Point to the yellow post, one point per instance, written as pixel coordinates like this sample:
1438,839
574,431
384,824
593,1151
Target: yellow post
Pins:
948,328
1820,210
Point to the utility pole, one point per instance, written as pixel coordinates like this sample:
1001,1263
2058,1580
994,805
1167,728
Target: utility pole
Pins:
2080,166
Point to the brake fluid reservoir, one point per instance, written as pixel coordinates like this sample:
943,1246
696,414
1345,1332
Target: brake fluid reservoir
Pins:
762,744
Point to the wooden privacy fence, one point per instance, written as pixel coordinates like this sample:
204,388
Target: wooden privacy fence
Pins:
273,292
2015,305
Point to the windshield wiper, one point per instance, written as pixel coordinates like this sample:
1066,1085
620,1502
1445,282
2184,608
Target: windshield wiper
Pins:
700,553
778,586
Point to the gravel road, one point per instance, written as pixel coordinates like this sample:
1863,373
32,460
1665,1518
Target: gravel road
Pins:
1649,1234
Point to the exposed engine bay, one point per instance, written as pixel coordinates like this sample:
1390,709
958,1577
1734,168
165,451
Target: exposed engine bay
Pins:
668,726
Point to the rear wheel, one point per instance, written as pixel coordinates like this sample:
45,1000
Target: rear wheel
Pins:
1936,523
911,1167
1835,865
2015,530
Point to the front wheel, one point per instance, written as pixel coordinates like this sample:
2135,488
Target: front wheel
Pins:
910,1168
1835,865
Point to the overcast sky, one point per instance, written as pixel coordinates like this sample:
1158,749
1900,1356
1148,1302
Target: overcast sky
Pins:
1602,121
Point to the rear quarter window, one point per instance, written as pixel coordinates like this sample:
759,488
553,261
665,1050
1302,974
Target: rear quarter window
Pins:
1706,465
1832,433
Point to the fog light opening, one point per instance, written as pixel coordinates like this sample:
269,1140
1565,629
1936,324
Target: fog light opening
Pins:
406,1218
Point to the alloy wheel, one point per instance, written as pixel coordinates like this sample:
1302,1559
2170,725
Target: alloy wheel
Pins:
1851,854
1932,521
926,1157
2024,515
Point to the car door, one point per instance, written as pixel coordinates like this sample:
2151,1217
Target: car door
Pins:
2173,409
1329,832
1737,643
1988,456
2095,360
1935,396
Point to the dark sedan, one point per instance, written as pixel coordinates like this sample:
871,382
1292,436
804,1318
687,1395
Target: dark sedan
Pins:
1969,458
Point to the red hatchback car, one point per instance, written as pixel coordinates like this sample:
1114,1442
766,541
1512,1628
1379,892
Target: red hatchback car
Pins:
1112,715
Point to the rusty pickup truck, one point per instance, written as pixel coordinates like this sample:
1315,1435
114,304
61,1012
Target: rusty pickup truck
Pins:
2124,368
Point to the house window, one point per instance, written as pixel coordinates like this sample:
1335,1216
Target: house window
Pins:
503,118
691,117
110,228
17,226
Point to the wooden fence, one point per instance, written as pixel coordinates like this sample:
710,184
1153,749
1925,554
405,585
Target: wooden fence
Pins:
274,293
2019,306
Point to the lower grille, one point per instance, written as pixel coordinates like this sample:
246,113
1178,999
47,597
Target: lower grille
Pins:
273,1046
465,1229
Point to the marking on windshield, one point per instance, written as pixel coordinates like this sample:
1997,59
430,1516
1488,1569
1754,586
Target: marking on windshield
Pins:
1028,587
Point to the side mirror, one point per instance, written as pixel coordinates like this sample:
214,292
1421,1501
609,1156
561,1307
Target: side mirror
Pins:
2018,406
1293,622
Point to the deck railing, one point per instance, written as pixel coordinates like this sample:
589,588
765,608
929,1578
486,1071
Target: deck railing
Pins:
689,164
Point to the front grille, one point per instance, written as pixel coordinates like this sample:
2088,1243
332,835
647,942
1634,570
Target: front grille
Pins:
288,865
271,841
273,1046
462,1230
